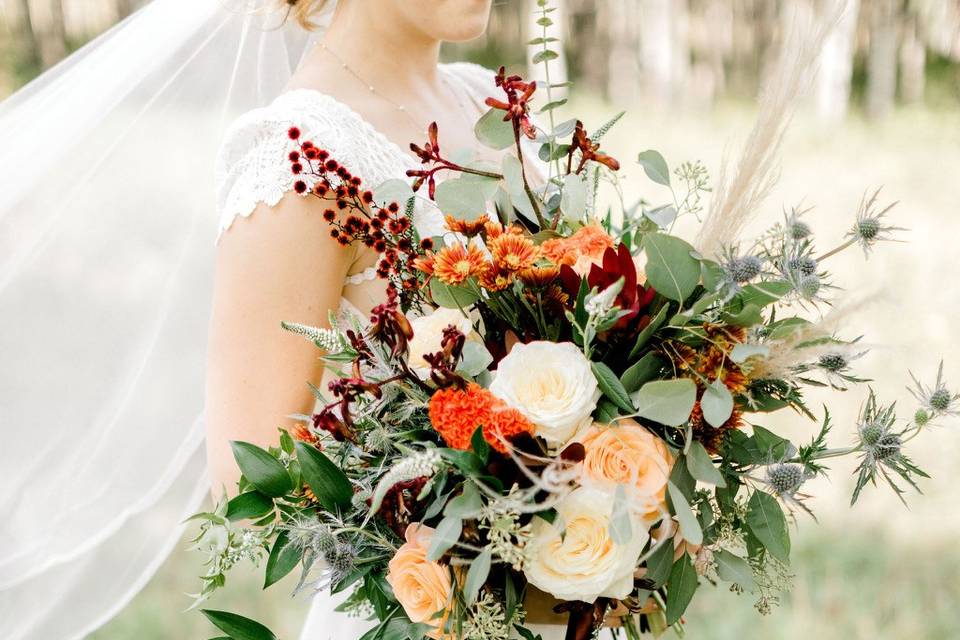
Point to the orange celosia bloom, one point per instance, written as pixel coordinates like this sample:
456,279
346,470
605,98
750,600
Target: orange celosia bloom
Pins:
590,241
512,252
468,228
456,263
456,414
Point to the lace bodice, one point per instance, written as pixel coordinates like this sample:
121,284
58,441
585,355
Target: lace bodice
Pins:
252,166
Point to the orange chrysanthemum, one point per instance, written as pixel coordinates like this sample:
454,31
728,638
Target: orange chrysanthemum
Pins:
456,263
424,263
468,228
590,241
540,276
495,280
456,414
512,252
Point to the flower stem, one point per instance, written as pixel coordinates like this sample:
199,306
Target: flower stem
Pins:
836,250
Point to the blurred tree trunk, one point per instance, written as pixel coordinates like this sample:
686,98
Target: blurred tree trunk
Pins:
664,47
31,46
913,61
558,67
836,65
625,26
882,57
124,8
53,47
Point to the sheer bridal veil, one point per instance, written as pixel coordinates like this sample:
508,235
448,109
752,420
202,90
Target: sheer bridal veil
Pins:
107,232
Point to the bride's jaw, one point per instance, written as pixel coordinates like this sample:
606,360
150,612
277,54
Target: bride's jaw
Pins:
409,31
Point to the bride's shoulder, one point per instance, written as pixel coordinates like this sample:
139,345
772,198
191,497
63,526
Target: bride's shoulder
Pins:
252,165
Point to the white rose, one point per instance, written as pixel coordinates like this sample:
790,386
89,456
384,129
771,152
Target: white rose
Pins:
428,335
552,385
575,558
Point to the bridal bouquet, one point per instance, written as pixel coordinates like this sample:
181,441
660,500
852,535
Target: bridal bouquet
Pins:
554,404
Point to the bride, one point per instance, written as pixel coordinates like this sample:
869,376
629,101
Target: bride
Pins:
107,246
364,92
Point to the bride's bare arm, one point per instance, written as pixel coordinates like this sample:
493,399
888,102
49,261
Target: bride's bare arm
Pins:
278,264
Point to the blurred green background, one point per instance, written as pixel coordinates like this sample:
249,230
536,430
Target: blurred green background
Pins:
884,109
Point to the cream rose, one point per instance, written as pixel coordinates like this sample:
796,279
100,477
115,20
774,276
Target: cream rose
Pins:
551,384
421,586
628,454
575,558
428,335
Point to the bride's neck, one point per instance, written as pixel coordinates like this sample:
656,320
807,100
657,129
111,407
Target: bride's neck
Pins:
381,50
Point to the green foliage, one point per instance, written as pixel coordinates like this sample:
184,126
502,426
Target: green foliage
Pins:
326,481
261,469
671,267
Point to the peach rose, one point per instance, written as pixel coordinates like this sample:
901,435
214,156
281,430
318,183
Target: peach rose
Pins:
628,454
422,586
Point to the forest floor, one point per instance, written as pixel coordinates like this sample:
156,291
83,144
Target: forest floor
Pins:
878,571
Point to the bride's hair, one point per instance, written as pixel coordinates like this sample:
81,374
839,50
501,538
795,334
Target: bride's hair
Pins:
303,11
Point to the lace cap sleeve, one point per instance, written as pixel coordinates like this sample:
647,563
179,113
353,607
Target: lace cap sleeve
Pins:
252,166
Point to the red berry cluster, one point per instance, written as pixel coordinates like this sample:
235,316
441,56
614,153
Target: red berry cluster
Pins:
355,217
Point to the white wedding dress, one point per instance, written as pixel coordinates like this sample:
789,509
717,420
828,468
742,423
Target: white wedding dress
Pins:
252,169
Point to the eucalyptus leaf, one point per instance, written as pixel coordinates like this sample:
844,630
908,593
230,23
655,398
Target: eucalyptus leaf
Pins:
671,268
649,330
716,403
733,568
766,521
466,505
493,131
451,296
445,536
655,166
462,199
701,466
747,317
668,402
393,190
475,358
660,562
662,216
477,575
689,526
642,371
763,293
611,386
682,585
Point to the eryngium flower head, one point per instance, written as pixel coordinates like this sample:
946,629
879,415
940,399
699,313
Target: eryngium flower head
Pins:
340,560
870,227
794,227
743,269
786,478
803,265
881,449
809,286
833,362
935,400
